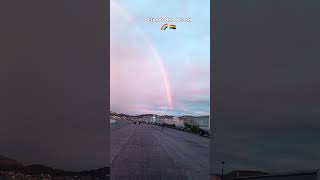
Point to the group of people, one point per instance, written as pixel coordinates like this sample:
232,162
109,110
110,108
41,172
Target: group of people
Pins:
135,122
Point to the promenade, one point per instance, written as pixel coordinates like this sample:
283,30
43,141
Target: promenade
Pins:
153,152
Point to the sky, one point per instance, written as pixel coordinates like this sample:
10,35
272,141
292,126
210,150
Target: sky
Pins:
154,71
267,86
53,83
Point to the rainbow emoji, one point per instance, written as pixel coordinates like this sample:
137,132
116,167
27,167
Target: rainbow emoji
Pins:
173,26
164,27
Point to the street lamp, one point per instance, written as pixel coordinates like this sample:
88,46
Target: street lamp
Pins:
222,163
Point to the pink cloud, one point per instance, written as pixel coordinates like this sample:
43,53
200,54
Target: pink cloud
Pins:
135,79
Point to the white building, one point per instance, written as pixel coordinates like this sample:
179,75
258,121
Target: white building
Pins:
178,121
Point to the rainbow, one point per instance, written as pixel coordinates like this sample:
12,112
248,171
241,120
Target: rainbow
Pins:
158,58
164,27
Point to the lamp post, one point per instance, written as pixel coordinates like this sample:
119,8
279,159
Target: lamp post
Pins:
222,168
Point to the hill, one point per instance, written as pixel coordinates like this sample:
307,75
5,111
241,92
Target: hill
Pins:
8,164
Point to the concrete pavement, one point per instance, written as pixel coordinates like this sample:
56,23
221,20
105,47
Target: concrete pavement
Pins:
148,151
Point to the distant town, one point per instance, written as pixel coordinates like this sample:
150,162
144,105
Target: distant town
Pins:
194,124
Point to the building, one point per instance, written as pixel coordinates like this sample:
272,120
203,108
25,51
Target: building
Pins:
189,120
148,118
201,121
165,120
178,121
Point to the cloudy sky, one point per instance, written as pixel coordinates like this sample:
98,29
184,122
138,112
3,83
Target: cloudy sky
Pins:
267,85
154,71
53,83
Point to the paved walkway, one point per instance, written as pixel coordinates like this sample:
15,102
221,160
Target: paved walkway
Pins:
149,152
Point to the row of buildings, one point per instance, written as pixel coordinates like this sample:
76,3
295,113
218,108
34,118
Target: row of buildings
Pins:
179,121
201,121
